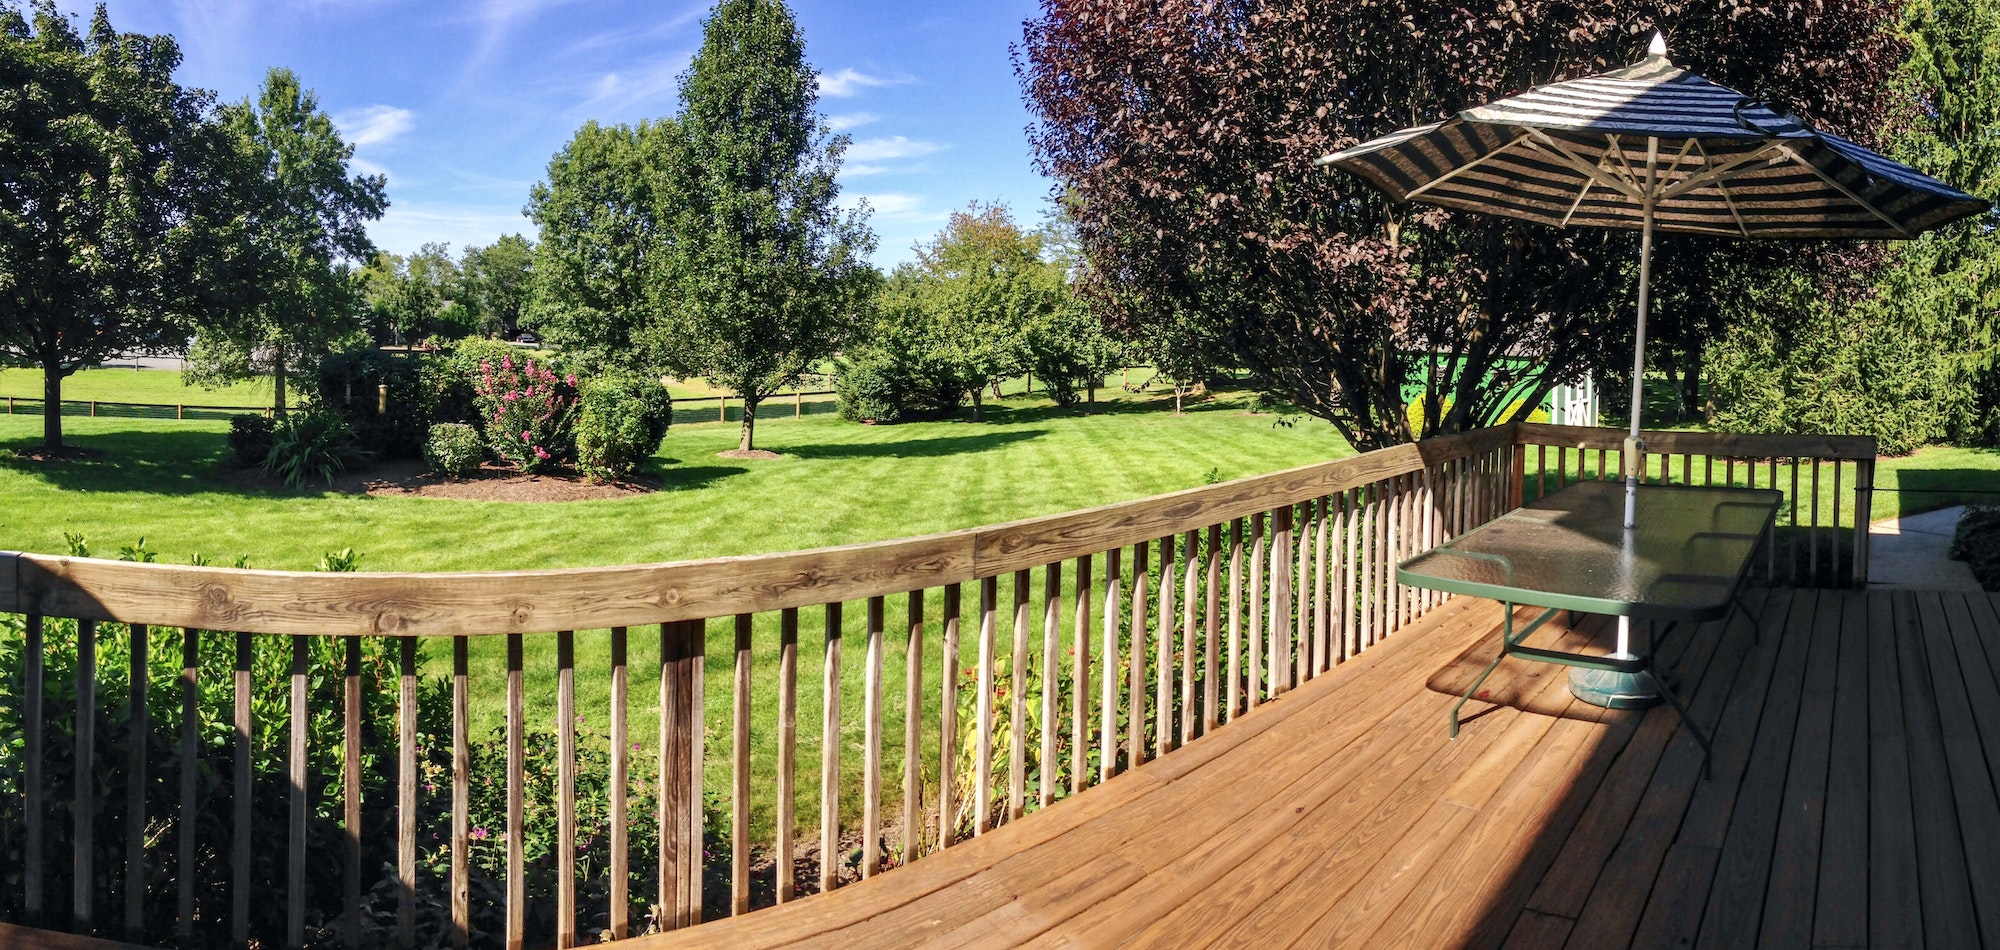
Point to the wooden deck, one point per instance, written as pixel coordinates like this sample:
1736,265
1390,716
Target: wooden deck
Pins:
1853,803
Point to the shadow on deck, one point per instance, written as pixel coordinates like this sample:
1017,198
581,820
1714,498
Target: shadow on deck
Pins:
1853,803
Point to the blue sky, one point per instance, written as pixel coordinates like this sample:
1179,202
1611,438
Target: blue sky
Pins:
462,103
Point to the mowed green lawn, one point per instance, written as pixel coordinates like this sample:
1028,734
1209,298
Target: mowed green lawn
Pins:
158,386
836,483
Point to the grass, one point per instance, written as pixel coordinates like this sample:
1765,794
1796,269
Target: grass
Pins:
837,483
136,385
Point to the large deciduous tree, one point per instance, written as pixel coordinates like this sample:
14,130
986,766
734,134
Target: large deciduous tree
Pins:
496,281
308,218
599,215
761,273
1183,132
984,286
115,219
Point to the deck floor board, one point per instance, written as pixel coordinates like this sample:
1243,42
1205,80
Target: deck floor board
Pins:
1855,789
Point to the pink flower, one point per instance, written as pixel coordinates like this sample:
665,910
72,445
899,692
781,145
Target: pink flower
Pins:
525,437
571,378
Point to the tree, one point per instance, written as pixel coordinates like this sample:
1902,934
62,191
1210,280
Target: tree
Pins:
761,275
115,214
309,223
983,286
496,280
1184,130
413,297
600,215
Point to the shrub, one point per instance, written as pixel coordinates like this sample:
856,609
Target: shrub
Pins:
1977,543
876,385
250,439
349,385
453,450
620,421
311,443
528,411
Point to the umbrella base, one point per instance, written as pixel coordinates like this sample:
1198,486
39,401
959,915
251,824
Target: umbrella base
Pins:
1612,689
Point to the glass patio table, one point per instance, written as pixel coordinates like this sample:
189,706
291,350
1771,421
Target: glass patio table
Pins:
1684,562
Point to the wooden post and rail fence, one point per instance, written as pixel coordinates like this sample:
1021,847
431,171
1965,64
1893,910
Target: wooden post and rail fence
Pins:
977,676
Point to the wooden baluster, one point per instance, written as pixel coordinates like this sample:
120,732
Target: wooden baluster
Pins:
1190,566
1163,654
1135,718
1770,543
1017,745
1833,536
1323,649
1600,472
1562,466
135,786
694,674
739,770
350,784
829,754
1864,511
461,796
1211,715
1051,699
82,848
1256,609
788,751
517,760
948,720
565,789
1364,568
1541,471
620,911
1233,698
239,896
1792,536
982,777
1107,752
672,805
1812,532
1302,625
913,735
1398,523
871,756
1687,470
1281,601
190,762
33,715
1079,687
406,786
295,877
1350,613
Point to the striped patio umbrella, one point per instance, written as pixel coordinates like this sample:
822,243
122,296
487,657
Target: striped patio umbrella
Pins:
1654,147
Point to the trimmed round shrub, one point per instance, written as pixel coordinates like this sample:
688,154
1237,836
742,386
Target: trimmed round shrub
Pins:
876,385
620,421
250,438
453,449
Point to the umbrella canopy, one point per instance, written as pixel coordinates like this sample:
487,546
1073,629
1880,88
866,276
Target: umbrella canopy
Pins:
1653,146
1597,151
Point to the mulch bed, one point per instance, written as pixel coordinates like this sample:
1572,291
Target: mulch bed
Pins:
492,483
68,453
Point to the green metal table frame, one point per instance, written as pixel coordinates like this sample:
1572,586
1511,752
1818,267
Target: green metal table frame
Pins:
1729,579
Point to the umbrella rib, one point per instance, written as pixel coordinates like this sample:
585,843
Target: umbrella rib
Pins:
1719,172
1578,203
1722,186
1613,148
1843,189
1549,146
1462,169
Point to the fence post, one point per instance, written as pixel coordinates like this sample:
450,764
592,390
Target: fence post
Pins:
180,411
93,408
799,404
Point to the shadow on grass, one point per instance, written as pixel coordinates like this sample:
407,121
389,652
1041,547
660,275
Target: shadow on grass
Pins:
676,476
1927,489
915,448
164,462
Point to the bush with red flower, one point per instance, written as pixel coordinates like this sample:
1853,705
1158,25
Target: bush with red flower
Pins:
528,412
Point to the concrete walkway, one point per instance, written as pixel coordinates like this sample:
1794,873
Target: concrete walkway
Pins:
1913,553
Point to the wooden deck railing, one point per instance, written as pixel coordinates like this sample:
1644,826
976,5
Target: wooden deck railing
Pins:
1089,642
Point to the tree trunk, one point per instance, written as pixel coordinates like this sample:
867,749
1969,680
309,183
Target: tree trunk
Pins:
750,402
278,380
1092,394
1691,383
51,406
977,391
996,389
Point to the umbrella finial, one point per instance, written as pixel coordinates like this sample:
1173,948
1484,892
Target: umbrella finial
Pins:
1659,45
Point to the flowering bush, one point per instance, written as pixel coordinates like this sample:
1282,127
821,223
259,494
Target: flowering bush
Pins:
528,411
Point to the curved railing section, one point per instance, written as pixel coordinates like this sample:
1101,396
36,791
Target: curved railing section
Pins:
203,756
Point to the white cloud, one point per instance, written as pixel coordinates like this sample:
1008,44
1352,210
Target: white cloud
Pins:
852,120
890,147
848,82
367,167
614,95
856,171
374,125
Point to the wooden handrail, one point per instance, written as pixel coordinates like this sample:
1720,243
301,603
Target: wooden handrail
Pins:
502,602
1719,444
